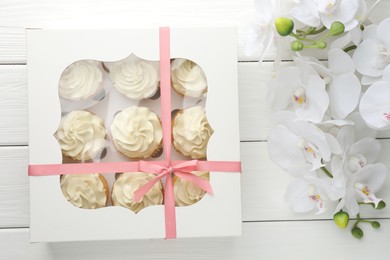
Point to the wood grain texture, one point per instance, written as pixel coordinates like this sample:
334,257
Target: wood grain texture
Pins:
20,14
255,114
13,105
320,240
263,187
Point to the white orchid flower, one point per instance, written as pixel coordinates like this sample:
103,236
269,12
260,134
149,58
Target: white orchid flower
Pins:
375,103
343,85
299,91
373,54
308,193
361,187
355,168
299,147
261,32
316,12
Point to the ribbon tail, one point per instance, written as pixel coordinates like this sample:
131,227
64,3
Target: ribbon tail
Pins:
198,181
138,194
169,204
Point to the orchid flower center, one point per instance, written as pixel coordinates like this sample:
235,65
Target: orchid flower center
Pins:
382,59
356,162
299,97
328,6
366,193
316,198
385,113
311,153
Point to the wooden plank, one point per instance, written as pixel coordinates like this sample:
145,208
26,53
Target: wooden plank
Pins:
255,115
320,240
263,187
17,15
14,202
13,105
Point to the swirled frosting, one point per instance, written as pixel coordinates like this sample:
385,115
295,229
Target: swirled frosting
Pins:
135,78
187,193
188,78
87,191
191,132
125,186
136,132
80,80
81,135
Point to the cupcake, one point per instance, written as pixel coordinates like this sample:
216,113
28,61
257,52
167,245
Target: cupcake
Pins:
187,193
81,135
188,79
129,182
191,132
81,80
135,78
136,133
87,191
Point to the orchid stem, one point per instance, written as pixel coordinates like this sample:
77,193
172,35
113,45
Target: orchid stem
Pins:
323,28
358,219
350,48
301,39
327,172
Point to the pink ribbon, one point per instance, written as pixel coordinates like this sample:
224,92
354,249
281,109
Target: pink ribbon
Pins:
162,169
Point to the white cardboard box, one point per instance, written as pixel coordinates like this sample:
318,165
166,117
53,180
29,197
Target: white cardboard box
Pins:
49,52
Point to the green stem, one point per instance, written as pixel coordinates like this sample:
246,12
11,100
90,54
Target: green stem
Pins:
350,48
308,31
358,219
323,28
327,172
301,39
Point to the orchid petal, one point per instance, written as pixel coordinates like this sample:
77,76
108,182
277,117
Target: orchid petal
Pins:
370,148
375,105
383,32
372,175
340,62
344,93
363,58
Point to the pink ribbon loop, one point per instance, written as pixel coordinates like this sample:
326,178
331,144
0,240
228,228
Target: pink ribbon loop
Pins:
181,170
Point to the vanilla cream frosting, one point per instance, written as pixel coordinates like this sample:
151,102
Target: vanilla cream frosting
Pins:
135,78
187,193
188,78
80,80
191,132
81,135
129,182
136,132
87,191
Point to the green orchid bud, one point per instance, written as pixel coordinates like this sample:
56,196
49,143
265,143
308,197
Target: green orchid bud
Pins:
357,232
336,29
296,46
375,224
381,205
321,45
284,26
341,219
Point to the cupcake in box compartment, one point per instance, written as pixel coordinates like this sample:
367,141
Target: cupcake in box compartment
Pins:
136,133
81,85
191,132
87,191
134,77
81,135
187,193
188,78
127,183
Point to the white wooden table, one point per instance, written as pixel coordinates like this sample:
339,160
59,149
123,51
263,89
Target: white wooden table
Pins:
270,230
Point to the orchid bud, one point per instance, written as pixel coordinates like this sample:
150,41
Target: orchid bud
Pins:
375,224
336,29
381,205
284,26
321,45
341,219
357,232
296,46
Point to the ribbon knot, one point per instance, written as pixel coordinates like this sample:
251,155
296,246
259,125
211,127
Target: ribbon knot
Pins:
182,170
